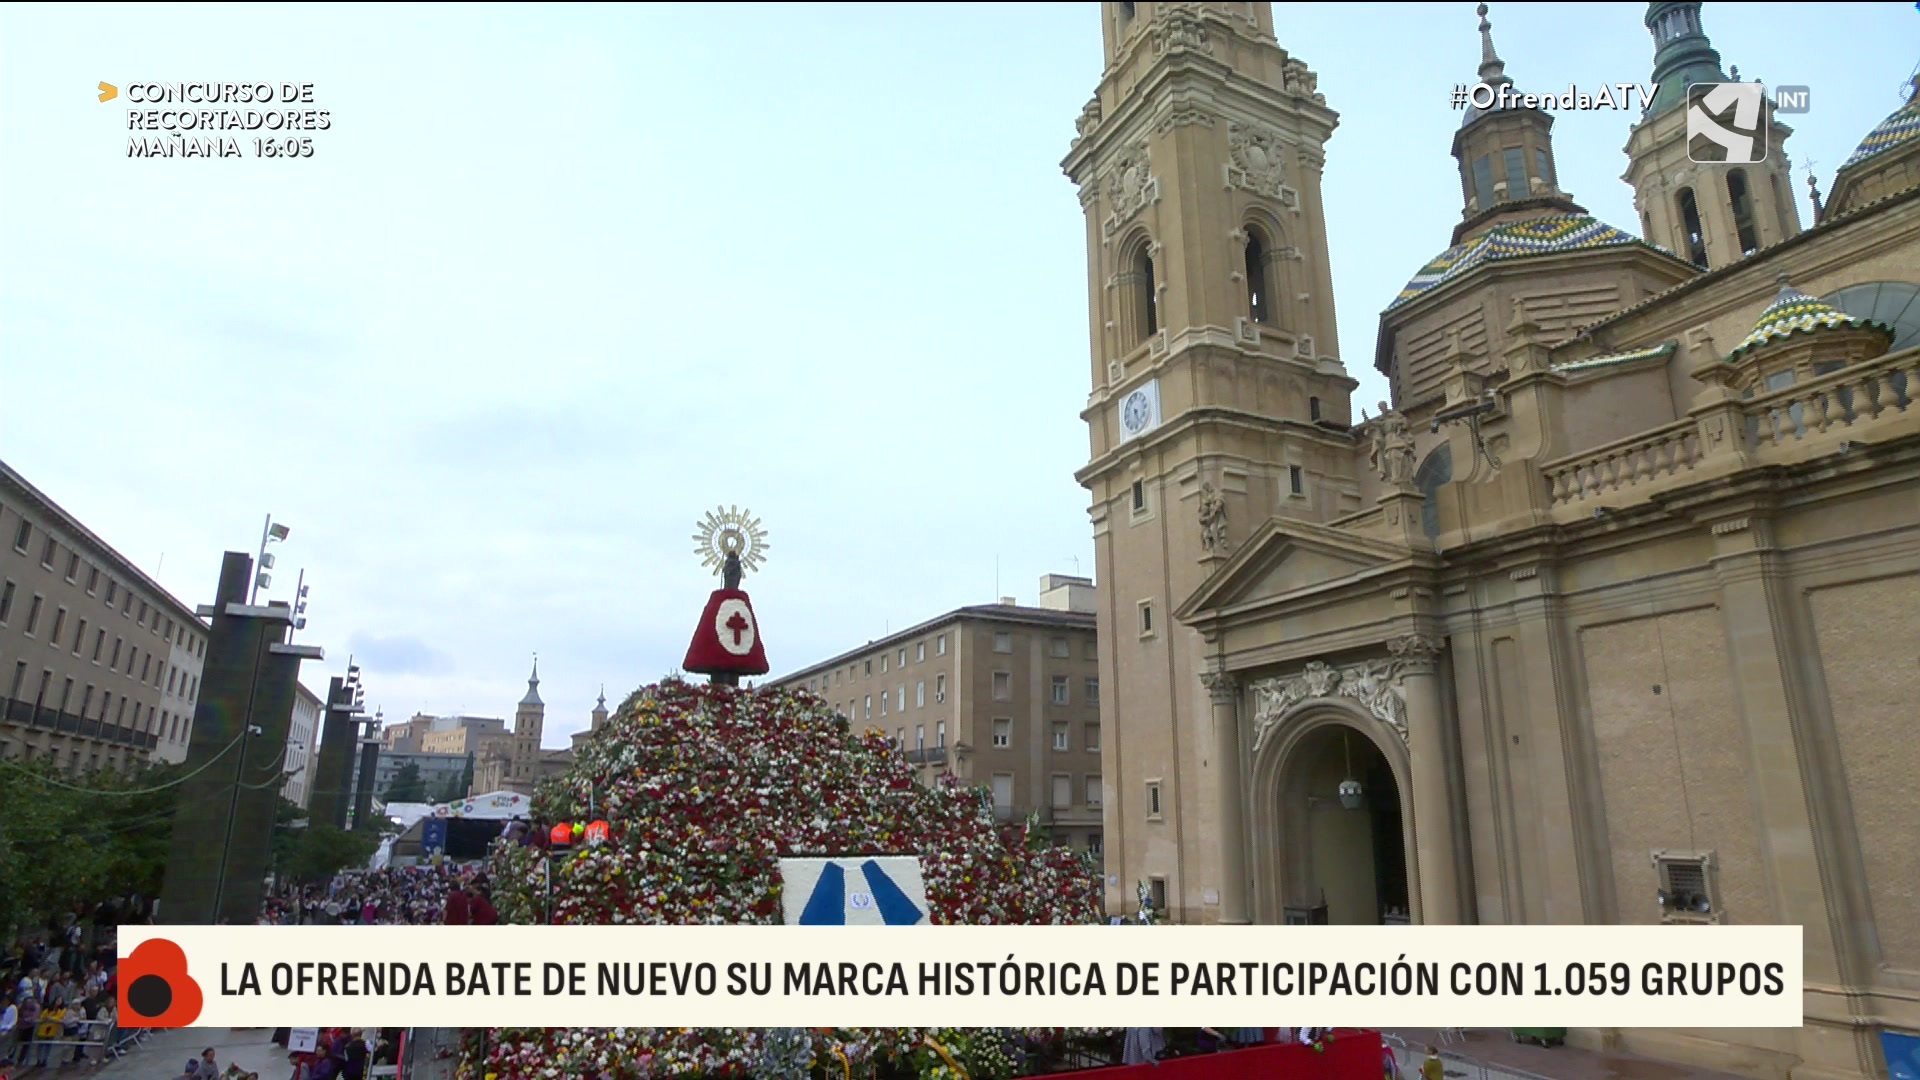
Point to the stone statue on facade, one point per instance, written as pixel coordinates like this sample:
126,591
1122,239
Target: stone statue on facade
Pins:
1213,520
1392,453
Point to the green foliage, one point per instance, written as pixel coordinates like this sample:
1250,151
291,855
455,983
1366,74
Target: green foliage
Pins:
408,785
61,848
280,854
452,790
318,851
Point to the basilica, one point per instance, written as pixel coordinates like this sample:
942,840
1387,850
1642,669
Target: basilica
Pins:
1605,617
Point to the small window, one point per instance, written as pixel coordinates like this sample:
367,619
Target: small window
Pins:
47,553
919,652
33,614
920,694
1059,647
900,738
1742,199
1003,643
1313,409
1094,847
939,688
59,625
940,645
900,697
1060,691
1092,736
1157,893
99,639
1483,181
1003,686
883,663
1061,741
1146,618
1153,800
1002,793
1258,304
1002,733
883,703
869,707
23,536
1296,480
1090,692
1543,166
80,638
940,734
113,589
1516,162
1139,497
1695,238
903,658
6,602
73,567
19,678
869,668
1062,791
920,737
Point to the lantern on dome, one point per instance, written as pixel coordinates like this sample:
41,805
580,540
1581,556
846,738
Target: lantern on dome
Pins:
726,643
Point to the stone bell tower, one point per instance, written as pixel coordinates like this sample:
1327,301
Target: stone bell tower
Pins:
1219,399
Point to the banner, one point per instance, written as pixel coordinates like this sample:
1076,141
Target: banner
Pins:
961,976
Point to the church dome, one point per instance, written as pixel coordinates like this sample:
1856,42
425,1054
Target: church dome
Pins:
1899,129
1544,235
1794,312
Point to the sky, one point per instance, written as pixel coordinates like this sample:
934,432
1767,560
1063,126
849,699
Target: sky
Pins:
557,281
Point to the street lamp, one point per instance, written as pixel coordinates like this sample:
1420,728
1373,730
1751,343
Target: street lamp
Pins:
271,533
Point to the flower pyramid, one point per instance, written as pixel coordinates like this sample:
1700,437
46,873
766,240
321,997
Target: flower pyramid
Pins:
705,789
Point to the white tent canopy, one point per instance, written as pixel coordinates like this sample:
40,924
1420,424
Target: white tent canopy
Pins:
499,806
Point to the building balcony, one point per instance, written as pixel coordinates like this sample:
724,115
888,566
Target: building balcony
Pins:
927,755
43,718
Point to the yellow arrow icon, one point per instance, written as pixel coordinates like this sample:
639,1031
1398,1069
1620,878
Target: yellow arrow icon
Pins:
108,91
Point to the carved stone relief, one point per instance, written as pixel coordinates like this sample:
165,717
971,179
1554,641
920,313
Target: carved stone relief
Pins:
1129,186
1257,163
1180,30
1374,685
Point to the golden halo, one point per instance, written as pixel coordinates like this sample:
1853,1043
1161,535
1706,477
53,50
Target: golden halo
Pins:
731,531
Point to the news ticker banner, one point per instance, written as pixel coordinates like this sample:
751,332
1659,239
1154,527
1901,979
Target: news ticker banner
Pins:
961,976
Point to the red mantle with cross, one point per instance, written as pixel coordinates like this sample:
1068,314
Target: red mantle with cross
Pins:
727,641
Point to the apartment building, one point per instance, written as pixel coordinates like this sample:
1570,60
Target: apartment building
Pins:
303,740
99,665
1002,696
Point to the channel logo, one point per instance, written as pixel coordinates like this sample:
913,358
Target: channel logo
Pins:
1727,123
155,988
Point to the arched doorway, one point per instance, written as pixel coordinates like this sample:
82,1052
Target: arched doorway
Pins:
1322,857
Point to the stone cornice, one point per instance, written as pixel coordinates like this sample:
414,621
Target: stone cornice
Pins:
1186,422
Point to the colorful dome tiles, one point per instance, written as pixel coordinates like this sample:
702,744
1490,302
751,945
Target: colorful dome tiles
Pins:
1896,130
1550,234
1794,312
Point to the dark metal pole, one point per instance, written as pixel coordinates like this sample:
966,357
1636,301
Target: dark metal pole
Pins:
239,772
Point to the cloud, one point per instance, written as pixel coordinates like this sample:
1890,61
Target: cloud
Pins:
400,655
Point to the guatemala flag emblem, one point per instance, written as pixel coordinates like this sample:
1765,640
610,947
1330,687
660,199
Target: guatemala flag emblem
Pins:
866,890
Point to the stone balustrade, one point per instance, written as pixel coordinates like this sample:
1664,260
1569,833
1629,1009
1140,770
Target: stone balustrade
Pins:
1849,398
1624,463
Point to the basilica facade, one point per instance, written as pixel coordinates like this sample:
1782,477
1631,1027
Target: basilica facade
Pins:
1604,618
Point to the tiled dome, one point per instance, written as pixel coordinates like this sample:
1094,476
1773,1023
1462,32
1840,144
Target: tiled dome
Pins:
1794,312
1897,130
1548,234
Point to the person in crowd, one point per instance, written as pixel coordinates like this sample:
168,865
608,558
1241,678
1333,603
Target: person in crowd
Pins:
457,907
354,1057
480,906
10,1041
1143,1046
1433,1068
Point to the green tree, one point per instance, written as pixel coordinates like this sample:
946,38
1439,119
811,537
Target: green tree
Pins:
408,785
320,851
452,790
285,834
69,842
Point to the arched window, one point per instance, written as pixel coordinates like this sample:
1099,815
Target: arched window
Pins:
1742,199
1259,305
1148,301
1695,237
1434,473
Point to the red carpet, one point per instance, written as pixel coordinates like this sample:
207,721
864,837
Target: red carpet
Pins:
1352,1055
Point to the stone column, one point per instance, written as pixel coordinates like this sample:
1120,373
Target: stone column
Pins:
1433,831
1224,688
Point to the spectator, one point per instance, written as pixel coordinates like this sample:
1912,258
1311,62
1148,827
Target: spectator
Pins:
10,1040
1433,1068
480,907
457,907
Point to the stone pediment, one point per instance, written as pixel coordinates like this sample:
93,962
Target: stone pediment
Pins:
1287,558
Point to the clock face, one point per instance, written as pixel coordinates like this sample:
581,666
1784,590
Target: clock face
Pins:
1136,413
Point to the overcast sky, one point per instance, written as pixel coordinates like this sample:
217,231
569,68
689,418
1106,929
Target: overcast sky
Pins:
559,280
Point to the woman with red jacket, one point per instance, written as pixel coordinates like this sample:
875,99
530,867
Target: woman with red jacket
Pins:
457,908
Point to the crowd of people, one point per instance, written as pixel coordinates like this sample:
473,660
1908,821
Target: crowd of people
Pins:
58,997
411,896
